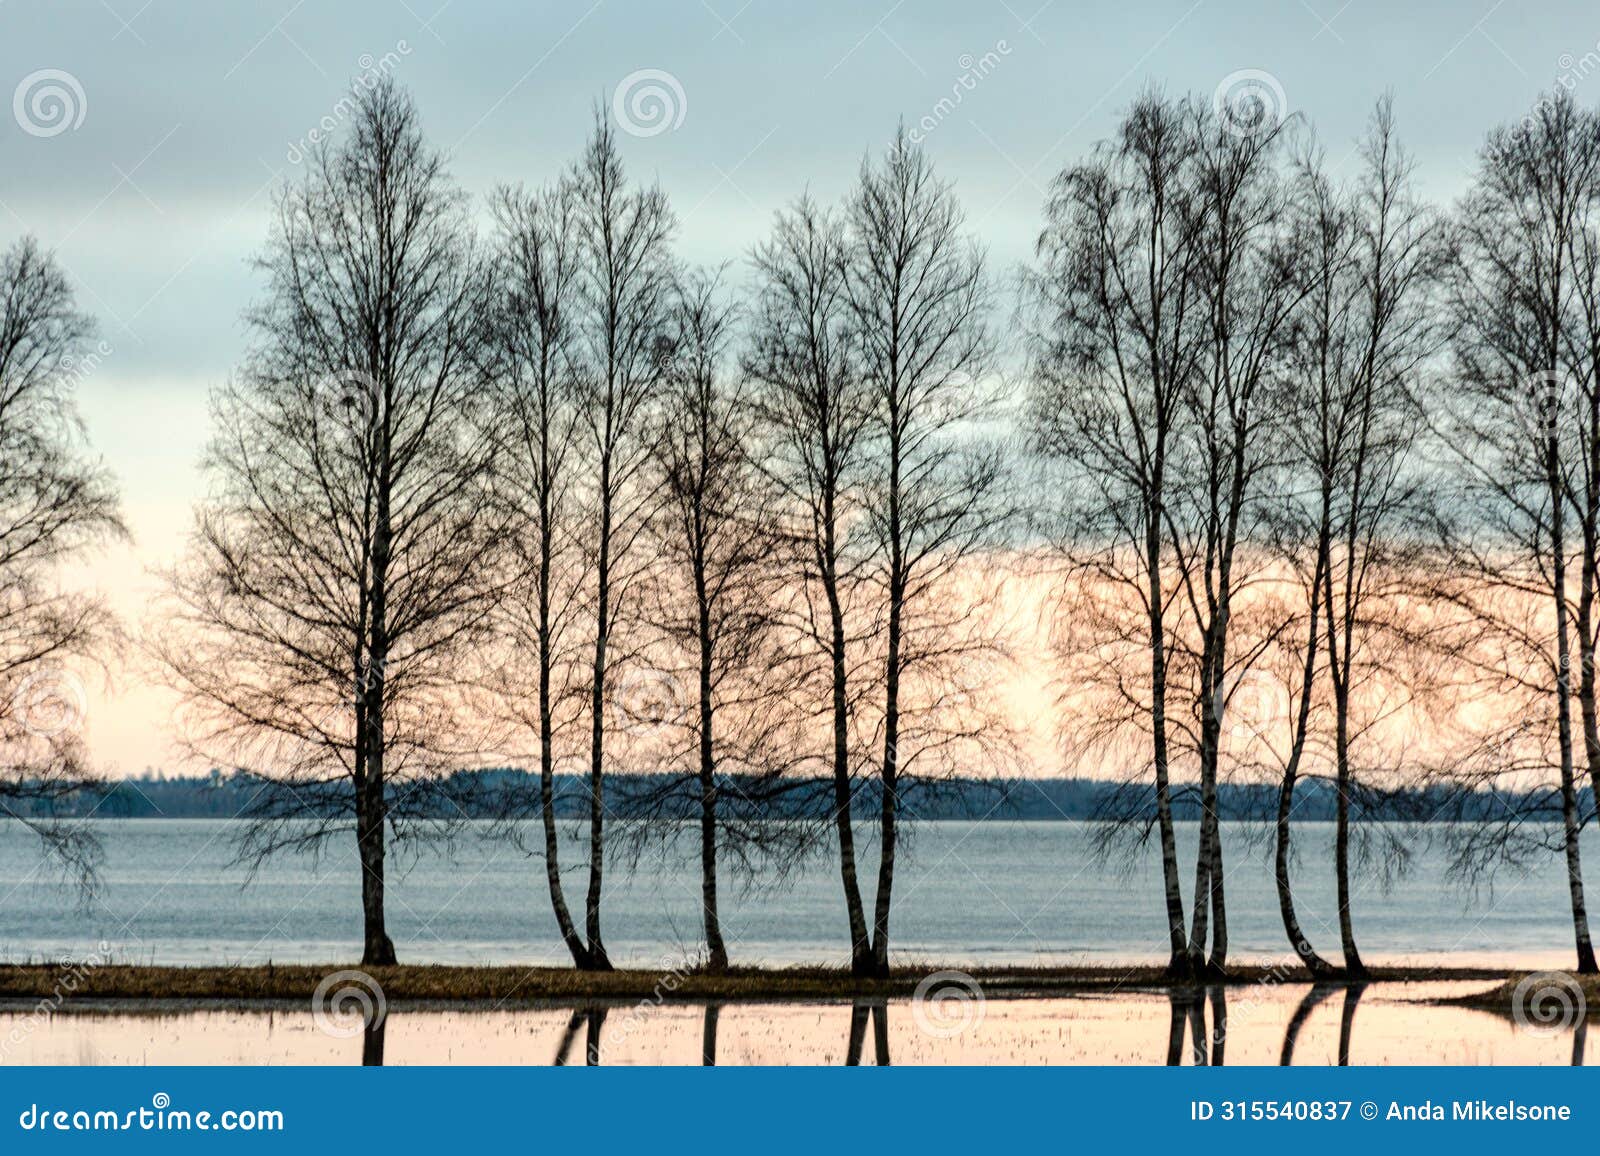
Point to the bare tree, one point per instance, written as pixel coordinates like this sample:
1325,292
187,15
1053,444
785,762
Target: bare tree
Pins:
1361,337
1249,292
1509,414
1372,425
537,367
717,589
1583,370
335,585
1116,340
918,307
56,504
814,415
627,296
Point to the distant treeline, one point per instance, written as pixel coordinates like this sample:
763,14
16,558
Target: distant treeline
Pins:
481,795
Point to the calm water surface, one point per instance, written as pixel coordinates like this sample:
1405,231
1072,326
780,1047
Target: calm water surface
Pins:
967,894
1384,1024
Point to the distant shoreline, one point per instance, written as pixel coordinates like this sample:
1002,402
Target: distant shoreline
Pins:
498,793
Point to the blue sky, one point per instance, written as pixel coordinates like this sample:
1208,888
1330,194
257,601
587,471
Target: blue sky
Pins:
158,196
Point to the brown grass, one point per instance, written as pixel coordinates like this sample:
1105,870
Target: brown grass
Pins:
522,985
1503,999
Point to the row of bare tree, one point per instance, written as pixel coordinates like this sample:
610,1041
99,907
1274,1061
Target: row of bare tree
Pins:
1315,432
1312,468
478,497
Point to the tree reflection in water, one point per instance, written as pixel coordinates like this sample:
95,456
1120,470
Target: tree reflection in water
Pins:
878,1012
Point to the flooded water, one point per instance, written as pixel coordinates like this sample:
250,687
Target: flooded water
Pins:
967,894
1251,1024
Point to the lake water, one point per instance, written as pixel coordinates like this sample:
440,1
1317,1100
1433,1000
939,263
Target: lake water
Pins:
1260,1024
967,894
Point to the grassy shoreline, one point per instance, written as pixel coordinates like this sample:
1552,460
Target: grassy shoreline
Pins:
477,987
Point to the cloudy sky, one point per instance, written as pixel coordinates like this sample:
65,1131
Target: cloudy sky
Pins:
145,137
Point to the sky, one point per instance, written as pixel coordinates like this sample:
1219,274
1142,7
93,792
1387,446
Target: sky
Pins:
152,177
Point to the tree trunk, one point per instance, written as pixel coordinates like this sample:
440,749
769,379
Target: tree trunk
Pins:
1218,962
597,959
890,787
1341,836
378,949
372,805
1587,593
1178,964
861,962
547,810
716,949
1572,829
1303,950
1200,928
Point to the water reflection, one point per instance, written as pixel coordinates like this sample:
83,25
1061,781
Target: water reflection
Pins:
1242,1024
877,1011
372,1042
1318,993
1347,1020
708,1035
1188,1017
